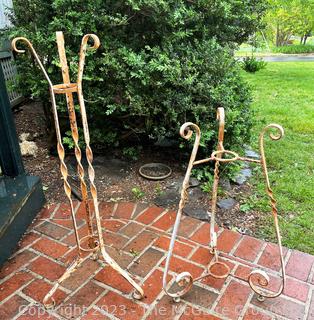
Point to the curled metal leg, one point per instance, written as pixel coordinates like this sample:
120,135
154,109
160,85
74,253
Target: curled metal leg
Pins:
213,235
258,277
49,301
60,148
94,239
139,293
184,279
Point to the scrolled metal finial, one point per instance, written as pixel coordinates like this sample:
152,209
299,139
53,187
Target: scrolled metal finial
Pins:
22,39
186,132
83,49
275,137
96,40
34,53
279,128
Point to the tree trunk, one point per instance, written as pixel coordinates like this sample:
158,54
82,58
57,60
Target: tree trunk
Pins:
277,35
301,41
305,38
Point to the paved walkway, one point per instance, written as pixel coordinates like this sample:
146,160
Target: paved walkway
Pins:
137,236
285,58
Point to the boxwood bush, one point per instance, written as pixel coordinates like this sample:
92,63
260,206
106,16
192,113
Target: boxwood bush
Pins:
161,63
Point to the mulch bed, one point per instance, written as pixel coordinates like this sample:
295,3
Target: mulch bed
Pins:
30,118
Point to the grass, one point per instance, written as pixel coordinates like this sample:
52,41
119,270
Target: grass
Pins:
283,94
246,50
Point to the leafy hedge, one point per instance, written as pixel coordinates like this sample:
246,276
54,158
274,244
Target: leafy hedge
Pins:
161,63
294,49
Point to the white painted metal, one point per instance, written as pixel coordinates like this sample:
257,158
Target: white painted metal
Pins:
4,20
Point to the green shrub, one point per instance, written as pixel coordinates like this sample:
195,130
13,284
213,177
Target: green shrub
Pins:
137,193
130,153
251,64
161,63
294,49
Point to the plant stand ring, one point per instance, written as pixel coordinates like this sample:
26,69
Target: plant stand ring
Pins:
156,165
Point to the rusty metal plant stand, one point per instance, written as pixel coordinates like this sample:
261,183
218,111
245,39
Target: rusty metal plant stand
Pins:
93,242
258,279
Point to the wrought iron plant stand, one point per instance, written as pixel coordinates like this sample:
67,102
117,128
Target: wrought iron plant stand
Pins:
258,279
94,241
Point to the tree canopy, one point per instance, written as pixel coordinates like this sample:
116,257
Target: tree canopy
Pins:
287,18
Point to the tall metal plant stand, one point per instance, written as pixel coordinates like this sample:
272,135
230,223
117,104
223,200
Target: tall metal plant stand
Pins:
94,241
258,279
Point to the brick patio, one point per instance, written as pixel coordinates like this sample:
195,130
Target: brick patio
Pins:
137,236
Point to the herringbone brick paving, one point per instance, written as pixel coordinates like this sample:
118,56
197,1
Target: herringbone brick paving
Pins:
137,237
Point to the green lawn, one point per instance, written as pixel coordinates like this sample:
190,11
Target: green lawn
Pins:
246,50
284,94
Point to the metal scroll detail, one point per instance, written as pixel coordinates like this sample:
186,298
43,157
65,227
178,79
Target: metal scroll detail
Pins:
94,241
258,279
